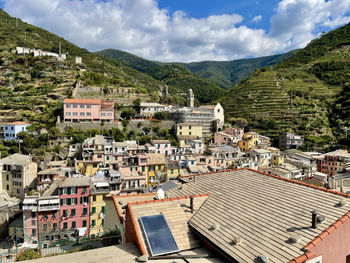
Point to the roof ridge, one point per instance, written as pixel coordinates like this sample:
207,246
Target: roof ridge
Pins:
167,199
277,177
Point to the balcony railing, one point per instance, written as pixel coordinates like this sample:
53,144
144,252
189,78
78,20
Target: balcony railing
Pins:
49,208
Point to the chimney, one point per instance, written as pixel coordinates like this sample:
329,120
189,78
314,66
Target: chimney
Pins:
314,219
191,204
342,186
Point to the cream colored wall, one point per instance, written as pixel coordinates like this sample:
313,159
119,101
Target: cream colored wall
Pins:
185,130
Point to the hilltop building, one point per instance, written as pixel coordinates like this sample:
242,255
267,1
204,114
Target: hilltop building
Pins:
88,110
12,129
148,109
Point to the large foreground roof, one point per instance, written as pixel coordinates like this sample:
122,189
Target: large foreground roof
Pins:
261,211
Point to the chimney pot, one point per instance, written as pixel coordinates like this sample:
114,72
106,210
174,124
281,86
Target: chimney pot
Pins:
191,204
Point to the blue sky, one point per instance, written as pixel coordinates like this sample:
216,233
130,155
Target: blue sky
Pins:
185,30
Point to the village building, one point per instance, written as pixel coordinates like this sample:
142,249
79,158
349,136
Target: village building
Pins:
88,110
12,129
18,173
148,109
288,141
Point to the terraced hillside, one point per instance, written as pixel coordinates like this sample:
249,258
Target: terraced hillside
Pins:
32,88
306,96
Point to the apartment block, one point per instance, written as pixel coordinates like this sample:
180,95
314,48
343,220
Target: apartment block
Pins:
12,129
18,174
88,110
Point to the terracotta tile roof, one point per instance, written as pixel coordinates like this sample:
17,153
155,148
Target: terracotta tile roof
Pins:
156,158
18,123
75,182
176,212
83,101
264,212
123,200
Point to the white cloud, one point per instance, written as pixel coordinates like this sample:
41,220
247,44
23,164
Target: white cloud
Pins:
142,28
257,19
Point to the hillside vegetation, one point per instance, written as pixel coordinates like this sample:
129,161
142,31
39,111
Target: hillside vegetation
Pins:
32,88
307,94
177,77
227,74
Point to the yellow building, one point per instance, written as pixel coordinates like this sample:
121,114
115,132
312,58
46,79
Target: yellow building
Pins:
277,160
88,168
157,171
173,171
98,207
189,129
249,140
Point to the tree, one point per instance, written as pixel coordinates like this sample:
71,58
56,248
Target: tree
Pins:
128,113
161,115
239,122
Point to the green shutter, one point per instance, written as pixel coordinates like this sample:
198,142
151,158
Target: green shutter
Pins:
93,211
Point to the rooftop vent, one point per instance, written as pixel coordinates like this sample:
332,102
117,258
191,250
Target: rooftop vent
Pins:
321,219
262,259
342,203
215,227
294,239
314,219
237,241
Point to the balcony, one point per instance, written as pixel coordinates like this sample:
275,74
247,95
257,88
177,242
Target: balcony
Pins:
49,208
30,208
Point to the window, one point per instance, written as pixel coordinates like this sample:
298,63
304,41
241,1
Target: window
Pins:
72,212
107,158
65,213
45,215
45,227
74,201
54,227
54,215
180,133
73,190
190,133
75,106
103,209
65,225
189,127
109,114
82,113
159,167
82,106
94,165
88,106
93,223
33,222
33,232
84,190
33,215
143,168
84,223
75,113
88,114
68,114
67,105
103,114
94,198
172,171
180,127
84,199
103,222
93,210
7,177
85,211
127,184
74,224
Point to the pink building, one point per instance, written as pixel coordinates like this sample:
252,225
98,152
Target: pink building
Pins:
30,218
162,146
203,159
48,219
88,110
75,206
237,132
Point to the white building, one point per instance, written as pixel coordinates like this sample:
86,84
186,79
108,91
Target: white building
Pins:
12,129
149,109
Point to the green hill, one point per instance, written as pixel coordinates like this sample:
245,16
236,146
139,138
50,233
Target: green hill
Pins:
307,94
32,87
227,74
177,77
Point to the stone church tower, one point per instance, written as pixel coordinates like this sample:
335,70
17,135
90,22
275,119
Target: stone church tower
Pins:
190,99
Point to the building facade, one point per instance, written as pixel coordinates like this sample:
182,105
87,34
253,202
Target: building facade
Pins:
88,110
12,129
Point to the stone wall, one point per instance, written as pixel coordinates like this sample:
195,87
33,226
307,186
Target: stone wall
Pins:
7,214
84,126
